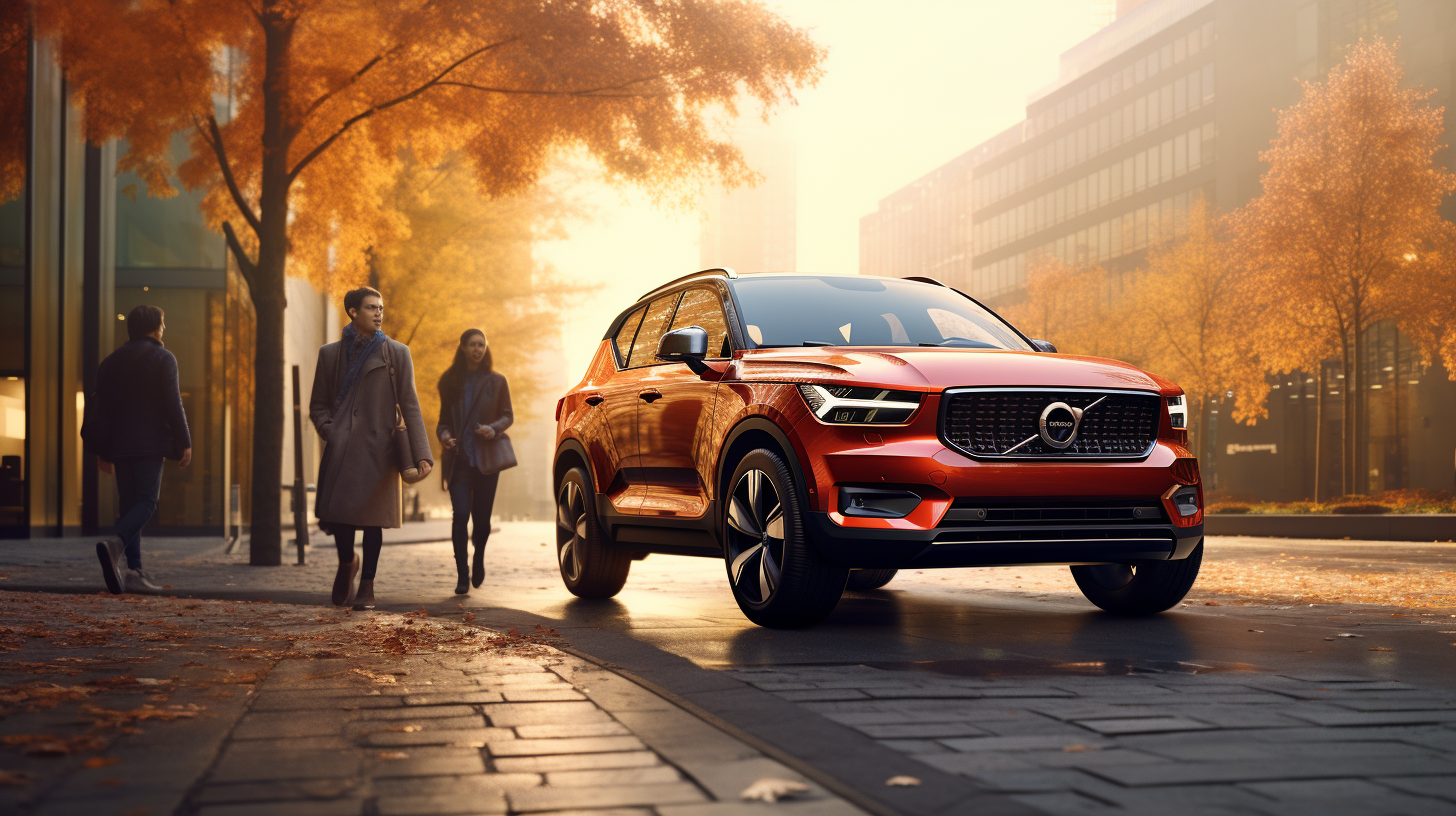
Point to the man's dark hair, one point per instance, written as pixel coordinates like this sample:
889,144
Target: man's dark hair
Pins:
355,297
142,321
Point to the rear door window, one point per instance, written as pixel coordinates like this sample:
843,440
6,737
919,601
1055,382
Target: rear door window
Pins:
701,308
622,342
654,324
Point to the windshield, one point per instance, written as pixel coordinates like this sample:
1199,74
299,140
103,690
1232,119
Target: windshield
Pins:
853,311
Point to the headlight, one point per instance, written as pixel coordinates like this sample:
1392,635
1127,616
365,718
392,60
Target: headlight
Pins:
857,405
1178,412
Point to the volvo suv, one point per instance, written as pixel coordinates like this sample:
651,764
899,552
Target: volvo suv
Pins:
820,432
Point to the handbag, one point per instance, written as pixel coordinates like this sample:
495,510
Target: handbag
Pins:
399,443
496,454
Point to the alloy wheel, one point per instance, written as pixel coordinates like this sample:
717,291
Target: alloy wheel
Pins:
570,529
755,537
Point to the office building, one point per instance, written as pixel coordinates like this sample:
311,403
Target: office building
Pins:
752,228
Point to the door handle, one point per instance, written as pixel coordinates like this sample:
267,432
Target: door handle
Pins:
650,395
594,399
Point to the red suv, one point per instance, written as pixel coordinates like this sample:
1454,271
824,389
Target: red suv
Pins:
822,432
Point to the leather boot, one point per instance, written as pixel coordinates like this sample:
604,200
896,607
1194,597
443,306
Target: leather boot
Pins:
477,569
462,578
364,598
344,582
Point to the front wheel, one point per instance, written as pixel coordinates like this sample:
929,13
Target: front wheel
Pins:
778,578
1144,589
590,566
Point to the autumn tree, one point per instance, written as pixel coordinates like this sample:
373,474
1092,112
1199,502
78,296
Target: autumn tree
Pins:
1346,232
325,94
14,54
1194,315
468,263
1076,307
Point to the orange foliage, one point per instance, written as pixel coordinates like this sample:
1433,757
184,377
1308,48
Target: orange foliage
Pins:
14,40
1347,232
1075,307
1195,314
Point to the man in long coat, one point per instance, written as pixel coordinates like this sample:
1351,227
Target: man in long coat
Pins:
355,388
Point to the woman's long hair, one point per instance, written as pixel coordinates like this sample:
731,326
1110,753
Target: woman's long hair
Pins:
452,382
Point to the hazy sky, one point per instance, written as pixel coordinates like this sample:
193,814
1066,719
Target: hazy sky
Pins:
909,84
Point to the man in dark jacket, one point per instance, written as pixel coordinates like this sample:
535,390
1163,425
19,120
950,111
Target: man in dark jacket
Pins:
134,421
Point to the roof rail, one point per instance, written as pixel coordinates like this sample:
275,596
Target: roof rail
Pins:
725,271
923,279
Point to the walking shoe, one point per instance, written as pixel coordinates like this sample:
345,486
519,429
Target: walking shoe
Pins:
462,586
110,553
344,582
477,570
139,581
365,598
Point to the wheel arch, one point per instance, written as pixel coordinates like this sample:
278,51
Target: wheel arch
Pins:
569,454
752,433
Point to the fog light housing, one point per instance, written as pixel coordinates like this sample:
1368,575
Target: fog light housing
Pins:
870,502
1184,504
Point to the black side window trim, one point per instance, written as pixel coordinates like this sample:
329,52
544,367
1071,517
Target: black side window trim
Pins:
617,352
667,322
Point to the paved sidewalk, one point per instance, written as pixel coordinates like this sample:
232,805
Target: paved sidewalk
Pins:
147,706
1156,742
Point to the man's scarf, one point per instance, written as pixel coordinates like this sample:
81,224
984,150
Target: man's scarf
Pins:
357,349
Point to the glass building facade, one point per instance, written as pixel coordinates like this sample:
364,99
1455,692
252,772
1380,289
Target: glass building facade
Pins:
1172,100
80,246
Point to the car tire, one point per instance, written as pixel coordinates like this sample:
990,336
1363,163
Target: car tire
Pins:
863,580
777,576
1144,589
591,567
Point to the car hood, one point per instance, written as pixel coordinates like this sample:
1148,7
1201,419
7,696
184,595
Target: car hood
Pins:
933,369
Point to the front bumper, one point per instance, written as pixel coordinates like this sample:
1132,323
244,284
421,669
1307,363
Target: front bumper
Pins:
999,544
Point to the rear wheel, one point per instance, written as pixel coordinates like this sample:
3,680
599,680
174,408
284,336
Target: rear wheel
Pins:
778,578
1142,589
861,580
590,566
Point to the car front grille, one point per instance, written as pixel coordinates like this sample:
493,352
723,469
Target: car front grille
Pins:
996,423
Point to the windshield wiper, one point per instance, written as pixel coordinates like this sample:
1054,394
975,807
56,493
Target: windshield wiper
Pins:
961,342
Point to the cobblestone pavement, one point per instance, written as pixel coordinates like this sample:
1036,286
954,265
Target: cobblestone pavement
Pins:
137,706
1156,743
1005,679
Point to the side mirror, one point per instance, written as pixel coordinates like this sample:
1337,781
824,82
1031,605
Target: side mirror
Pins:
688,345
1044,346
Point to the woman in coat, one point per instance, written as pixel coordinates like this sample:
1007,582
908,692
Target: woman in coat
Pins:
475,410
355,389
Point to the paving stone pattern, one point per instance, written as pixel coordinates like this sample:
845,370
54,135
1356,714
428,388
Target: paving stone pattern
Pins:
442,735
1157,742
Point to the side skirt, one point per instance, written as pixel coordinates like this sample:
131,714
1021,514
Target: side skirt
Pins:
650,534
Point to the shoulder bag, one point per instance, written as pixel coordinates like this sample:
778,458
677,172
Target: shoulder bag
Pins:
399,442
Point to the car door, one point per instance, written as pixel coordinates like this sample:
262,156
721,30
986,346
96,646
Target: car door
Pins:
675,417
621,396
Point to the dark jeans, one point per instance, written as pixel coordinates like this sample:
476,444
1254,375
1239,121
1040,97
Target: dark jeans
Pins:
471,494
139,481
344,543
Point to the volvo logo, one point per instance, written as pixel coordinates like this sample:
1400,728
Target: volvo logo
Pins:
1058,425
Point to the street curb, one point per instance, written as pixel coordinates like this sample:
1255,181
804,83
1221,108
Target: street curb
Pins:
850,764
1389,527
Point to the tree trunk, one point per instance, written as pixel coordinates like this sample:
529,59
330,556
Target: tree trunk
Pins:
269,299
1359,466
1319,425
1347,416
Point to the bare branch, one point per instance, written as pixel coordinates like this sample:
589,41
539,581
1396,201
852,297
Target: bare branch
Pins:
584,92
359,117
213,136
357,75
245,264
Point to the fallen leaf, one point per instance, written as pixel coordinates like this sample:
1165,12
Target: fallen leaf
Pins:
1212,603
392,755
101,762
902,782
15,779
769,789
